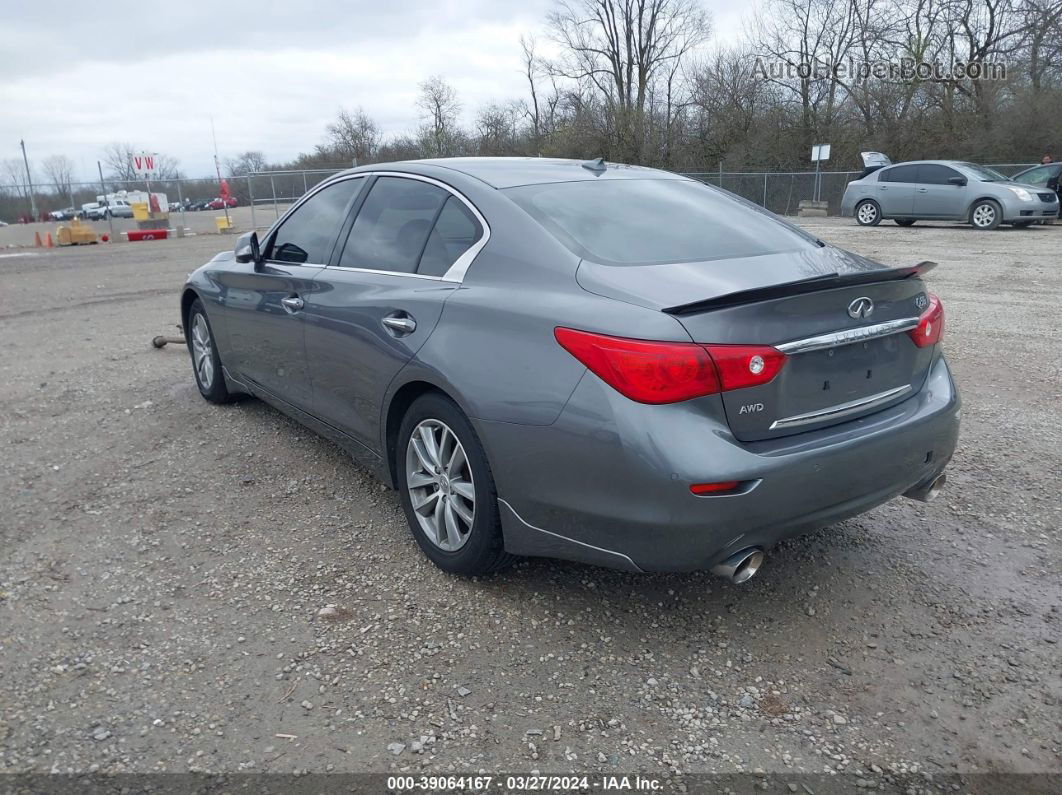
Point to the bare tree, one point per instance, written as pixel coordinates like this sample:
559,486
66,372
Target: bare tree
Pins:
13,175
498,129
354,137
439,108
246,163
59,169
118,157
619,47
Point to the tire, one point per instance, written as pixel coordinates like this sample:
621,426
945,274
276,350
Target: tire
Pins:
868,213
985,215
206,363
1021,224
905,221
441,525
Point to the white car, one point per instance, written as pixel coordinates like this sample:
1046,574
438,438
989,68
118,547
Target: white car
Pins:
118,208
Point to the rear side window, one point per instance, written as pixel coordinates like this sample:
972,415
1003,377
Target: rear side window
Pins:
932,174
455,231
647,221
392,227
308,233
899,174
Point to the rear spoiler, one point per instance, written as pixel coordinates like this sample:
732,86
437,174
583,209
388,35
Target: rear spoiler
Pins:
812,285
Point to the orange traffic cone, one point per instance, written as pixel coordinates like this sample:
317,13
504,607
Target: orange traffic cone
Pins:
48,241
37,240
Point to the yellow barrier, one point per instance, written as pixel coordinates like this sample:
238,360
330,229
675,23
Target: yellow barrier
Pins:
224,224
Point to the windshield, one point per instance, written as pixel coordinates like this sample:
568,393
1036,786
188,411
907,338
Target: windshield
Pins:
984,173
649,221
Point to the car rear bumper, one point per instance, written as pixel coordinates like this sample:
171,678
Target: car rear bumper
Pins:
608,482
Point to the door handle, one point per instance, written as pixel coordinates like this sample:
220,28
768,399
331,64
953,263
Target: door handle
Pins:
399,324
292,304
923,190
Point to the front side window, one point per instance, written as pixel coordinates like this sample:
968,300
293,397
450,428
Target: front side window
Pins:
392,227
648,221
933,174
307,235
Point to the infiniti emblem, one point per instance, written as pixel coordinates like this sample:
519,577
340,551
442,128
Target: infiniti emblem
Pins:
861,308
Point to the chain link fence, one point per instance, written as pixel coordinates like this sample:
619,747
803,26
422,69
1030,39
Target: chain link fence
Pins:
269,193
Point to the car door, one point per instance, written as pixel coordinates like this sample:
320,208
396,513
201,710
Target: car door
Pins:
935,196
262,306
382,295
896,191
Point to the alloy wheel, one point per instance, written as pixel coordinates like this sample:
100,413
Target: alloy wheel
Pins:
984,215
202,351
867,213
440,485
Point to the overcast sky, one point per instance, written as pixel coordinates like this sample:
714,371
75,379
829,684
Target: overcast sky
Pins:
270,74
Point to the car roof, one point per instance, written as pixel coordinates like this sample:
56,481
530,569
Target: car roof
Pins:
929,163
509,172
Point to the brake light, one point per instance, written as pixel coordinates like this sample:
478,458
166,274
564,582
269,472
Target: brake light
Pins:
930,328
668,372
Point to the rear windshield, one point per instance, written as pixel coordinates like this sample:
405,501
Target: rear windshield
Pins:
647,221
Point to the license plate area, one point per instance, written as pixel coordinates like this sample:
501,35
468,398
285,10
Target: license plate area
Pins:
815,388
819,379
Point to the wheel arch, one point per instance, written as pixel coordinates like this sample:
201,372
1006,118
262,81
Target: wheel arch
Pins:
979,199
188,297
401,398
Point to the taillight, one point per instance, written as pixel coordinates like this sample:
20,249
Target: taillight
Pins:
740,366
669,372
930,328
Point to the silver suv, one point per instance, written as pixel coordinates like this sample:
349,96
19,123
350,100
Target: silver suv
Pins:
945,190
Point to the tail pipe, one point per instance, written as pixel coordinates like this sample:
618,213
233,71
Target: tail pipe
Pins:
928,491
741,566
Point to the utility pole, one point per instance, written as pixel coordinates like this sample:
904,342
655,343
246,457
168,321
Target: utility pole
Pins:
103,190
29,181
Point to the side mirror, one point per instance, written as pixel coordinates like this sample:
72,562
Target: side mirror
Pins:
1052,184
960,181
247,249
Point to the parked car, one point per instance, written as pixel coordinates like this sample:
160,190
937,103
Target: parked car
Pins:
93,211
63,215
1045,177
945,190
118,208
220,204
611,364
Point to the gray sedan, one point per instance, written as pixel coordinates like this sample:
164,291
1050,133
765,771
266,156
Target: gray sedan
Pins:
591,361
946,190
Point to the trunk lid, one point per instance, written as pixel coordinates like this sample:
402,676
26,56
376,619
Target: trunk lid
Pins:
841,365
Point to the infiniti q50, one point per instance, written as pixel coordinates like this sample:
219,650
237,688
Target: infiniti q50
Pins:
591,361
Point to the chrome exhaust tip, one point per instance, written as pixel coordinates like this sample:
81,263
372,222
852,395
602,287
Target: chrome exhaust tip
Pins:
927,492
741,566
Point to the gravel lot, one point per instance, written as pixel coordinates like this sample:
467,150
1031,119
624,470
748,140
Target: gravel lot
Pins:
166,561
